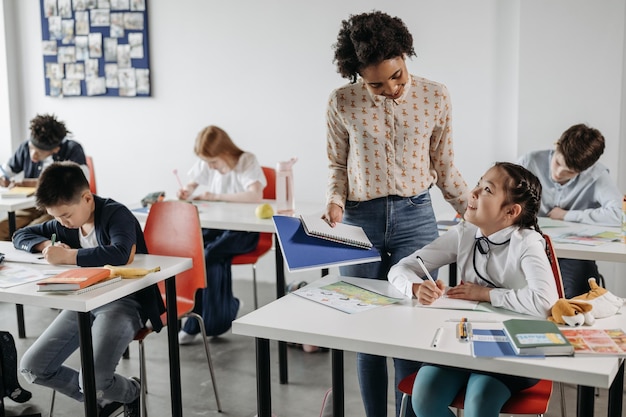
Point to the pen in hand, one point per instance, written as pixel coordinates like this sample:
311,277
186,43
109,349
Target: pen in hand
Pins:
421,264
53,239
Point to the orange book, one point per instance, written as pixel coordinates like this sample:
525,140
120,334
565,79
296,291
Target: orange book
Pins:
74,279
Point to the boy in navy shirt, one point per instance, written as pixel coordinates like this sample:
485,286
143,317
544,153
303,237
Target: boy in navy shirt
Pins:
90,231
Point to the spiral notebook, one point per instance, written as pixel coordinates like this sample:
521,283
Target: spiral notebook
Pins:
347,234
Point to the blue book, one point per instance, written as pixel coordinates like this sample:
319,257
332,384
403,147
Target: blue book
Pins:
302,252
493,343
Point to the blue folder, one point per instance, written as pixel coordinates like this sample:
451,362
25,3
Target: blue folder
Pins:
302,252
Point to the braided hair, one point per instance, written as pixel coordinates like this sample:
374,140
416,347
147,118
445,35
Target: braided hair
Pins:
522,187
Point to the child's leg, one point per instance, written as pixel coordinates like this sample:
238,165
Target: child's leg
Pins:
485,396
43,361
435,388
113,328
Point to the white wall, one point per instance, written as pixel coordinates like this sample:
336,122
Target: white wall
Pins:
519,73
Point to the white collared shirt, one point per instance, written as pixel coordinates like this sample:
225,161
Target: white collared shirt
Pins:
519,269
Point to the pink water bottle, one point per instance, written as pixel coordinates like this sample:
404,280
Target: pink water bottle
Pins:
285,203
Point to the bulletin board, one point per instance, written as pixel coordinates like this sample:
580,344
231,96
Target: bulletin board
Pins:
95,48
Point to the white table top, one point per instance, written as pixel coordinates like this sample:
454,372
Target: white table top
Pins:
27,293
387,331
238,216
610,252
13,204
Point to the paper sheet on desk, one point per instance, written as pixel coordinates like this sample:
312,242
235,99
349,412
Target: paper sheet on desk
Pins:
14,274
20,256
452,304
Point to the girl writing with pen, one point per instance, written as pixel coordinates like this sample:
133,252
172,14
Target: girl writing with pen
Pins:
500,253
223,172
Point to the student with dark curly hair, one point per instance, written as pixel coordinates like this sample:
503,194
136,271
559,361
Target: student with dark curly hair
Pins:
389,140
48,143
576,188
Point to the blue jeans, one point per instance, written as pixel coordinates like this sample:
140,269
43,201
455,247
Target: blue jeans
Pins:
397,226
113,327
216,303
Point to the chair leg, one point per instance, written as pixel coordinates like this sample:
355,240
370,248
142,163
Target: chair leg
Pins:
405,400
208,356
256,299
144,381
52,402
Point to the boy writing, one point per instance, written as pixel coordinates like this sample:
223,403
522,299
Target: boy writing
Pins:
47,143
90,231
576,188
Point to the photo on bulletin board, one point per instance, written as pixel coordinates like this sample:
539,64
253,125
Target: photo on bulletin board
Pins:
95,48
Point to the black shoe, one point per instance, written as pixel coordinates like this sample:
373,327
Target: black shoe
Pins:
8,365
133,409
111,409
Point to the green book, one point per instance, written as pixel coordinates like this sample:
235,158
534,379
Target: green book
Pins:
537,337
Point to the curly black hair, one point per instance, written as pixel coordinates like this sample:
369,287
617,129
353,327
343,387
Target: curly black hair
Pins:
46,130
370,38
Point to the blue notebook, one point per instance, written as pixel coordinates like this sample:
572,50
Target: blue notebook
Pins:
302,252
493,343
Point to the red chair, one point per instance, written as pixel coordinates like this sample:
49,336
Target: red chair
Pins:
92,175
533,400
265,239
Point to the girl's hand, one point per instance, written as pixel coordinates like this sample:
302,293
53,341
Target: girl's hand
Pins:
557,213
428,292
469,291
183,194
333,214
207,196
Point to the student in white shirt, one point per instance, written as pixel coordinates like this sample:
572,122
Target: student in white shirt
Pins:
501,256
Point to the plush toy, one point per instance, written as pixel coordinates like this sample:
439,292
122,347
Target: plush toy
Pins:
586,308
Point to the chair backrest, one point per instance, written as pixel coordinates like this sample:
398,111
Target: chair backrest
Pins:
269,192
554,263
173,229
92,175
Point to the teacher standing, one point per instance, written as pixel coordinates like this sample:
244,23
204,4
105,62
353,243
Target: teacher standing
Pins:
389,139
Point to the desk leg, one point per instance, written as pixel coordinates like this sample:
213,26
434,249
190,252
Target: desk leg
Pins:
263,387
172,342
86,359
616,393
280,292
19,309
338,392
585,401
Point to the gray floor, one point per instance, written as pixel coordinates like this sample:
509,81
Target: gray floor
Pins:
234,357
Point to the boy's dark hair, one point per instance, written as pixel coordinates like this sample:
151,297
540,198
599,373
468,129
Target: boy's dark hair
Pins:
581,146
522,187
46,132
60,183
370,38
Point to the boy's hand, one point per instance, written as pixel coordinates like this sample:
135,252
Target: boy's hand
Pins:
5,182
557,213
59,254
428,292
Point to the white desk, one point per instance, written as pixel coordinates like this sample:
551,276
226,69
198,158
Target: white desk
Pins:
610,252
84,303
294,319
11,205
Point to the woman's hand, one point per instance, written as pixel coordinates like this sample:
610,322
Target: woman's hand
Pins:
469,291
333,214
428,292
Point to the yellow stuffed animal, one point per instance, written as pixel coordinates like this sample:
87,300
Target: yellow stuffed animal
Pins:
586,308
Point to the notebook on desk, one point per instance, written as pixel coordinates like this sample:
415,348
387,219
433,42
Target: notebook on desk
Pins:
18,192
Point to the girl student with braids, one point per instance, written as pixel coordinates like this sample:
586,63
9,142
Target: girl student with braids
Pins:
500,253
